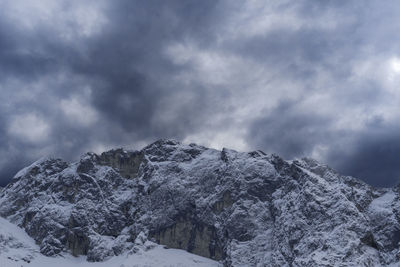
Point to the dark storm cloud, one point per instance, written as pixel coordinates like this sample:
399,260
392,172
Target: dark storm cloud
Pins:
370,151
372,154
293,78
14,62
373,157
127,64
125,67
289,131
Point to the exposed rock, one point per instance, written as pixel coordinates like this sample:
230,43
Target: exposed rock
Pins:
223,204
126,163
189,234
78,242
369,240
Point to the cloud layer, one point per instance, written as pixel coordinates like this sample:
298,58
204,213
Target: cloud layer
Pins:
304,78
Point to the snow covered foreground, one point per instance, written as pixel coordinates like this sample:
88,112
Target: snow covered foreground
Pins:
17,249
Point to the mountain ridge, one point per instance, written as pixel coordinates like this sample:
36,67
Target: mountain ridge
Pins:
240,208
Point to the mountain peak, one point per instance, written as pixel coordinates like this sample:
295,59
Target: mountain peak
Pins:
234,207
44,164
163,142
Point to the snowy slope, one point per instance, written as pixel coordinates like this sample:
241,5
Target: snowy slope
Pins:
17,249
241,209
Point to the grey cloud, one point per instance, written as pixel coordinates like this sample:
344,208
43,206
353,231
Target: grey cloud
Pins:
123,64
290,132
127,60
293,129
371,154
139,95
373,157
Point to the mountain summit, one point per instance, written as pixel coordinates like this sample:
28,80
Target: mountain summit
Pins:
241,209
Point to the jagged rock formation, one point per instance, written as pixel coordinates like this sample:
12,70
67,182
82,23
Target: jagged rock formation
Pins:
17,249
245,209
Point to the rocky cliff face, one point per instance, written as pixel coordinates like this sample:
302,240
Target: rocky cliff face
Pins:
244,209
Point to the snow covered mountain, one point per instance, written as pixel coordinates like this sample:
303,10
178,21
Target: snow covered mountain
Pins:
239,209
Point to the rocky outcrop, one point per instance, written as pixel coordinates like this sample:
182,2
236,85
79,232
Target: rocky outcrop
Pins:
126,163
245,209
191,235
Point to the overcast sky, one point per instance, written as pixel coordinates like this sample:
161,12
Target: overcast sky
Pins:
296,78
